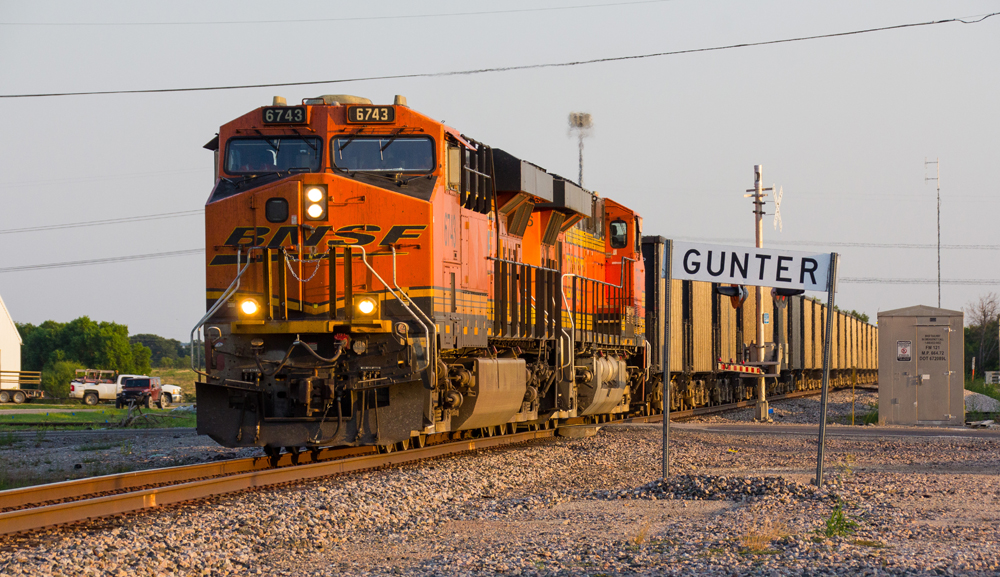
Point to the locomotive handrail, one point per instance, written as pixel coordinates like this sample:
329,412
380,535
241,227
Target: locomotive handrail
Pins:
427,331
521,264
395,284
226,295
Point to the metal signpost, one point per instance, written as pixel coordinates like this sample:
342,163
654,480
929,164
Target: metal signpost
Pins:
776,268
668,255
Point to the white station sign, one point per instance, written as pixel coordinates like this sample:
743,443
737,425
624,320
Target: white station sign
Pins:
769,267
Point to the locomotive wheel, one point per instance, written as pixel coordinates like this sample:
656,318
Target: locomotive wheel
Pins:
272,452
403,445
386,448
419,441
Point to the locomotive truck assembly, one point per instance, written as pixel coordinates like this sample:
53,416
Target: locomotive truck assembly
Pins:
375,277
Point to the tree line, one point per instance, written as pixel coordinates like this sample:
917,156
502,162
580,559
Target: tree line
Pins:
59,349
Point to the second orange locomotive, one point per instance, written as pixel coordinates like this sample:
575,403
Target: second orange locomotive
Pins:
374,277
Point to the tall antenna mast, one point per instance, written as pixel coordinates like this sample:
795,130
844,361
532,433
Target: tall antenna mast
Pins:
581,123
937,164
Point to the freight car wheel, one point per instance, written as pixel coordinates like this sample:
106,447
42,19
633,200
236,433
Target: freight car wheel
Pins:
4,397
19,397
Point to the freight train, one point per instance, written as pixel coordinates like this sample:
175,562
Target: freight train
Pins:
376,277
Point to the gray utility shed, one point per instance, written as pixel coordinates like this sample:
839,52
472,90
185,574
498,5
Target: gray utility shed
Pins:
921,375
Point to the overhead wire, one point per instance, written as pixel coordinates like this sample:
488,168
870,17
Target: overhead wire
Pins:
345,18
91,223
506,68
109,260
825,243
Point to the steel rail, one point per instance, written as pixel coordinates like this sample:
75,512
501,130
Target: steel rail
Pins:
173,485
29,519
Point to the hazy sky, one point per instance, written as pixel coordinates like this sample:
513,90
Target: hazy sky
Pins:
842,124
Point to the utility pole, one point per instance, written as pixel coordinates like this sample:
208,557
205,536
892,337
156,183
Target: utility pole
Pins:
581,122
937,179
761,412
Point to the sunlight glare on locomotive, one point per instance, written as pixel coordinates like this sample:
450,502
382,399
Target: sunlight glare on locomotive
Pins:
452,290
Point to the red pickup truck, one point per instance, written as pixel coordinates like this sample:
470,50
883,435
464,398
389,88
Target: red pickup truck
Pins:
141,392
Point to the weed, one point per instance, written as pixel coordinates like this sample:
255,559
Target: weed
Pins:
640,537
871,417
839,524
865,543
127,447
39,437
9,440
757,539
845,466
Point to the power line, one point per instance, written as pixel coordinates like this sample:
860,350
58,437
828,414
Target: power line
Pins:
895,245
122,220
345,19
110,260
505,68
957,281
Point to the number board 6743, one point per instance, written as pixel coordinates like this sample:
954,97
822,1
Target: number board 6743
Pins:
285,115
371,114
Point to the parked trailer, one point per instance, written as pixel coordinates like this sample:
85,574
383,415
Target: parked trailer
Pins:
13,383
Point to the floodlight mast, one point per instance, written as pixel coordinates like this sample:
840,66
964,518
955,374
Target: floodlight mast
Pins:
581,123
761,412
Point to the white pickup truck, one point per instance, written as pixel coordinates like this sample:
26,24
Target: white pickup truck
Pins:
92,386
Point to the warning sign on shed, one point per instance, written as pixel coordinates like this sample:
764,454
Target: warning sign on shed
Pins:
904,351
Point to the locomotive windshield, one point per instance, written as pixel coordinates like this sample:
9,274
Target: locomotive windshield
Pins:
277,154
388,153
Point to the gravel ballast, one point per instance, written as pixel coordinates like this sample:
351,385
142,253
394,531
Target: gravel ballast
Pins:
737,504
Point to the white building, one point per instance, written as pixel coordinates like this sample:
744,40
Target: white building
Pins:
10,342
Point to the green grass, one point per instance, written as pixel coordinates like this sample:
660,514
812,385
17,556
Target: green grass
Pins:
112,416
183,378
980,386
71,404
839,524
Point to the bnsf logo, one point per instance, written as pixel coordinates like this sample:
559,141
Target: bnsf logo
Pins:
351,235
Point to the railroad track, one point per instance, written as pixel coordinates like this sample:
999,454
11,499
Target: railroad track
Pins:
41,506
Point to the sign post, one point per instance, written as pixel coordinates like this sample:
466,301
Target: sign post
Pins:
781,269
667,258
831,291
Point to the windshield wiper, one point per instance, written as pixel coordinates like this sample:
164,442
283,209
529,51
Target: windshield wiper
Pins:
354,135
276,147
394,136
307,141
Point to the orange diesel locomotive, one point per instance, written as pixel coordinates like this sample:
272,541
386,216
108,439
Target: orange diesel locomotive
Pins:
374,277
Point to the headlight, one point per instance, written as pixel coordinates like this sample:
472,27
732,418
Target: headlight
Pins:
249,307
314,195
366,306
316,202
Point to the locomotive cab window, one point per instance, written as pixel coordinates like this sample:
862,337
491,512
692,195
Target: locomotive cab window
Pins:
273,154
389,153
619,234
